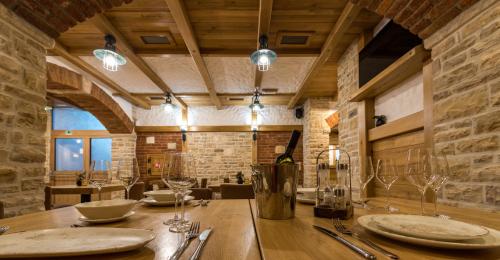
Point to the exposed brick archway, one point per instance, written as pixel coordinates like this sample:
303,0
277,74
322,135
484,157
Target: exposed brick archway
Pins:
75,89
421,17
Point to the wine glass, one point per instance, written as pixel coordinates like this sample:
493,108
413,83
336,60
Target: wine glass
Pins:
387,175
365,179
128,173
164,177
100,174
419,171
181,176
440,175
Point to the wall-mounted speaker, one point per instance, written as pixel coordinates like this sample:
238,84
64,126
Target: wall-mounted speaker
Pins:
299,112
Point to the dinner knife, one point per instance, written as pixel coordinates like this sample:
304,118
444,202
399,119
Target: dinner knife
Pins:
203,239
353,247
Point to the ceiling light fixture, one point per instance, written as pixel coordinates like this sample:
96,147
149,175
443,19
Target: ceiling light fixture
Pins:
168,106
263,57
256,105
109,57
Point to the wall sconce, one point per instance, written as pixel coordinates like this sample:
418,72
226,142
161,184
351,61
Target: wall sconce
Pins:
184,129
254,130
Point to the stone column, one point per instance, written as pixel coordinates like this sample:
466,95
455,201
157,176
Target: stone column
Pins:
22,115
316,134
122,147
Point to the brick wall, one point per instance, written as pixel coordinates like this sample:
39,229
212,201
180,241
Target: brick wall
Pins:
347,83
316,135
22,116
159,147
266,145
221,153
466,84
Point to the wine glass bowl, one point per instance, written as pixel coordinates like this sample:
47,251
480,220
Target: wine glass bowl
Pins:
419,171
387,175
100,174
128,173
365,179
440,175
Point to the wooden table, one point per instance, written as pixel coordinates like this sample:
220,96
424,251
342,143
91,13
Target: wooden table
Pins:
238,234
84,191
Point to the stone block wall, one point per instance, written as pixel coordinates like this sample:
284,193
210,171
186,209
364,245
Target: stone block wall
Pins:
123,146
220,154
347,83
316,134
466,84
22,115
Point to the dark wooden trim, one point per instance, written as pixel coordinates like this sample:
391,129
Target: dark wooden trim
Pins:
403,125
235,128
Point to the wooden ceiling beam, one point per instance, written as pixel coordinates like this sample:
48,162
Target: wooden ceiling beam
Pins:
181,18
106,27
265,11
349,13
60,50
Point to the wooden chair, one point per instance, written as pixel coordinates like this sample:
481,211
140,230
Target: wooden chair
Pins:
236,191
2,213
137,191
201,193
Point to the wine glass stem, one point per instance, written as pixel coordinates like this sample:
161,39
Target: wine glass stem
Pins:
99,192
175,206
127,196
422,203
182,208
435,203
387,204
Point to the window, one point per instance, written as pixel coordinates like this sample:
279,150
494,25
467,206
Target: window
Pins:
100,149
68,118
69,154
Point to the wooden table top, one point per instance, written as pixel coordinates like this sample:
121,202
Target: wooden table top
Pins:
89,189
297,239
234,235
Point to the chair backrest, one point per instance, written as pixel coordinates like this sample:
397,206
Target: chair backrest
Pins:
137,191
204,183
201,193
2,214
236,191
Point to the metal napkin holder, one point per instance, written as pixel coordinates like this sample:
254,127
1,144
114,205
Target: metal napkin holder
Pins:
323,211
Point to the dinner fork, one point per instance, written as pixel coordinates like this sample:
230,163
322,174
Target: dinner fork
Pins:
3,229
344,230
193,232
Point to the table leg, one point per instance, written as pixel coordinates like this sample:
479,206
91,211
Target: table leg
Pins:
85,198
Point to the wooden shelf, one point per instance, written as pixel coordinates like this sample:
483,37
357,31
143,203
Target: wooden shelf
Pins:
406,66
403,125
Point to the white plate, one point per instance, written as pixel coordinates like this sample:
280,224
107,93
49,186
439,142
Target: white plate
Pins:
305,200
109,220
72,242
152,202
491,240
429,227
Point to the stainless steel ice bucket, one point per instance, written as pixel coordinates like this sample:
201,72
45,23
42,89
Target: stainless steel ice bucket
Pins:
275,188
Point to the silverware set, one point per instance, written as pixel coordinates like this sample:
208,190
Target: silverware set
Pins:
194,232
342,229
3,229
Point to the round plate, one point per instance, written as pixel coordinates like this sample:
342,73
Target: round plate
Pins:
108,220
306,201
429,227
491,240
152,202
72,242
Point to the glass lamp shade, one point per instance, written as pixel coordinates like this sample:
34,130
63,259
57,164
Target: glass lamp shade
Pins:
168,107
110,59
256,106
263,58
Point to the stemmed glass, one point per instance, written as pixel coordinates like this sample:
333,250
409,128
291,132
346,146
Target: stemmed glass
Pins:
387,174
100,174
164,177
365,179
181,176
128,173
419,171
440,174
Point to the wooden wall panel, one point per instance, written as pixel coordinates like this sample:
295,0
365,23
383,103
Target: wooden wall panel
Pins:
396,148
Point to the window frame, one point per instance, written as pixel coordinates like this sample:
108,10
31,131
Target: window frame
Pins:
85,135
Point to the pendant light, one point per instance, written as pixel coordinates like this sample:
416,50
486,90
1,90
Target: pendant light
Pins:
256,105
108,55
263,57
168,106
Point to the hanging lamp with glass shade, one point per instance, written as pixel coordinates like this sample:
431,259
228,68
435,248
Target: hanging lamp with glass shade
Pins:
256,105
168,106
111,59
263,57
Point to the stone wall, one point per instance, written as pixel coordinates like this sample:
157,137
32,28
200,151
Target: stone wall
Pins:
220,154
347,83
22,115
316,135
123,146
466,84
